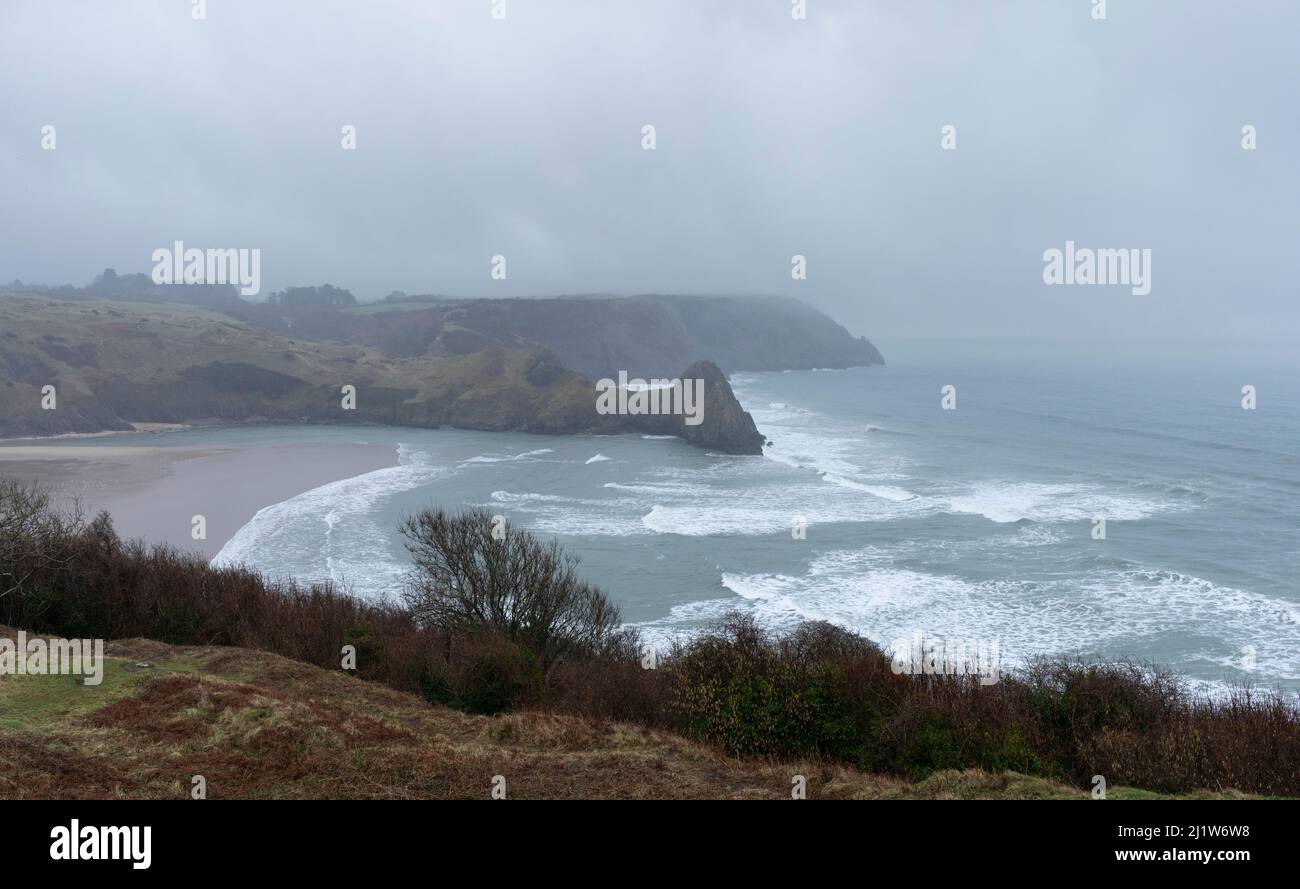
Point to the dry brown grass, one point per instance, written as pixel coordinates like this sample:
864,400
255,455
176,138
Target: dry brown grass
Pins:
257,725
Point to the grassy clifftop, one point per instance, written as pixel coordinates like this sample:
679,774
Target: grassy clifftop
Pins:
257,725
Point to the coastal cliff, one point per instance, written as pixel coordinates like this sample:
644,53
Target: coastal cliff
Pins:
114,363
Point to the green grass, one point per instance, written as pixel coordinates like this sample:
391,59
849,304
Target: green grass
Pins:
34,703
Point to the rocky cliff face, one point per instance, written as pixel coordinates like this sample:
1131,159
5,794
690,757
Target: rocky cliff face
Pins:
726,427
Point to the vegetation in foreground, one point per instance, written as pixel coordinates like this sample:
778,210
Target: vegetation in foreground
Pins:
256,725
500,623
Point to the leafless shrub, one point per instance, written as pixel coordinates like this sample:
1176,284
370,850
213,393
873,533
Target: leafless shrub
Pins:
472,573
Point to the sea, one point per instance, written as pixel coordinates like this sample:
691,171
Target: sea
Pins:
1096,500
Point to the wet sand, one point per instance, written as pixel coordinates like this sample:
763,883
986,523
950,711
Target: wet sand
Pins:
156,492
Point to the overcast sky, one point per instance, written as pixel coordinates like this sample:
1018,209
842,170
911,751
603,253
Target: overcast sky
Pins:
775,137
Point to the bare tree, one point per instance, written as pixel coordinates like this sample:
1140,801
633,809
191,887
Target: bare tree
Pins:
474,572
34,535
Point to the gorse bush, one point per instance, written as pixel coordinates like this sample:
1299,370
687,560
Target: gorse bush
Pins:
735,687
488,627
481,672
822,690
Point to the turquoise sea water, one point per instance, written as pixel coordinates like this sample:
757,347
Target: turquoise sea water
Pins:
972,524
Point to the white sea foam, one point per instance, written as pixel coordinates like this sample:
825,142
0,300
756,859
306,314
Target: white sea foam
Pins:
882,592
556,514
834,454
1115,612
507,458
529,497
888,492
746,497
658,489
770,510
838,455
1008,501
331,527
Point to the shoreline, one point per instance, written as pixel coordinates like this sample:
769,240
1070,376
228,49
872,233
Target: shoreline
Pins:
156,493
136,429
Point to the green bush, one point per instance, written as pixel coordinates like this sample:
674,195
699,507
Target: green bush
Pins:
737,689
501,676
483,674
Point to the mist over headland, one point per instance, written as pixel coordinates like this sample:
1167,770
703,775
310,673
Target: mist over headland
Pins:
821,137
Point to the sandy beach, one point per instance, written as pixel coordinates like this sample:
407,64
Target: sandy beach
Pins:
155,492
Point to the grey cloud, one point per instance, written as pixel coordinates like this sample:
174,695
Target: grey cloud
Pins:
775,137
